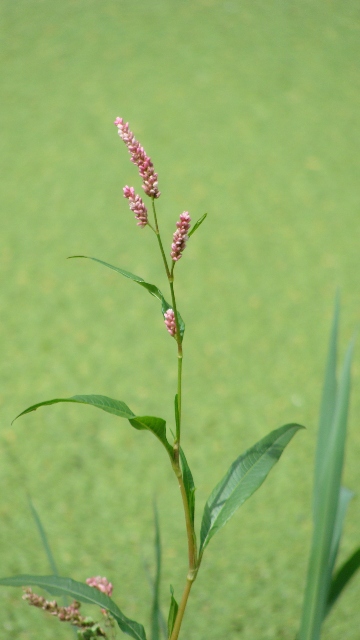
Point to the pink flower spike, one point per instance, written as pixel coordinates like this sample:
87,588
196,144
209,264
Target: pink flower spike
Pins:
102,584
137,206
170,323
140,158
180,236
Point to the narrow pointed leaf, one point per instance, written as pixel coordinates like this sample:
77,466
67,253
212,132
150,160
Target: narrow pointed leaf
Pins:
151,288
188,484
328,492
243,478
118,408
342,577
172,612
197,224
56,586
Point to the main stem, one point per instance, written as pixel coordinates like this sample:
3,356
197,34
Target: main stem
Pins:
191,538
182,607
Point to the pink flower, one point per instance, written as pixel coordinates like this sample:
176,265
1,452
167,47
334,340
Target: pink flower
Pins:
137,206
170,323
102,584
180,236
140,158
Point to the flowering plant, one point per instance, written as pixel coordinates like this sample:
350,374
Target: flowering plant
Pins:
243,478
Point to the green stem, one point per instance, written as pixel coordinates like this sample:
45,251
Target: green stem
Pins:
175,460
157,231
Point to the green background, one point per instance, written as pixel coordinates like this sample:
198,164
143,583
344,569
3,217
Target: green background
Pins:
250,111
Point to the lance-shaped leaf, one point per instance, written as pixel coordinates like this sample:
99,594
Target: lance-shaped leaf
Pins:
118,408
188,484
151,288
243,478
172,612
197,224
55,585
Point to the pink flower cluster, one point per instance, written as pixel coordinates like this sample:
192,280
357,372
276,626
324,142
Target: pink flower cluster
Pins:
137,206
140,158
180,236
170,323
102,584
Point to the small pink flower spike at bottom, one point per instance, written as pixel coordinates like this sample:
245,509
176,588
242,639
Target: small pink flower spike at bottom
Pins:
170,323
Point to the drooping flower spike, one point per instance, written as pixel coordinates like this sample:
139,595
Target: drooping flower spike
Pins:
180,236
137,206
140,158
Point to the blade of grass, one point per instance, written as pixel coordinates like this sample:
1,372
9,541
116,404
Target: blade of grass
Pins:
327,408
344,499
158,623
342,577
326,491
43,538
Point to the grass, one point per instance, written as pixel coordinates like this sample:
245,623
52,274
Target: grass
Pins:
250,111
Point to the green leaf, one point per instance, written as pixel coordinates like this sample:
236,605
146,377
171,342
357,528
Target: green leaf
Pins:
326,493
188,484
151,288
172,612
156,425
243,478
56,585
342,577
197,224
118,408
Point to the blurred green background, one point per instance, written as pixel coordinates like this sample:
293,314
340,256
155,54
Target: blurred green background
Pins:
250,111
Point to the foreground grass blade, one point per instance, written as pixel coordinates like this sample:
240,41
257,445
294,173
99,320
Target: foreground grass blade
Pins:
326,501
157,620
56,586
244,477
343,503
43,537
118,408
327,408
151,288
342,577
